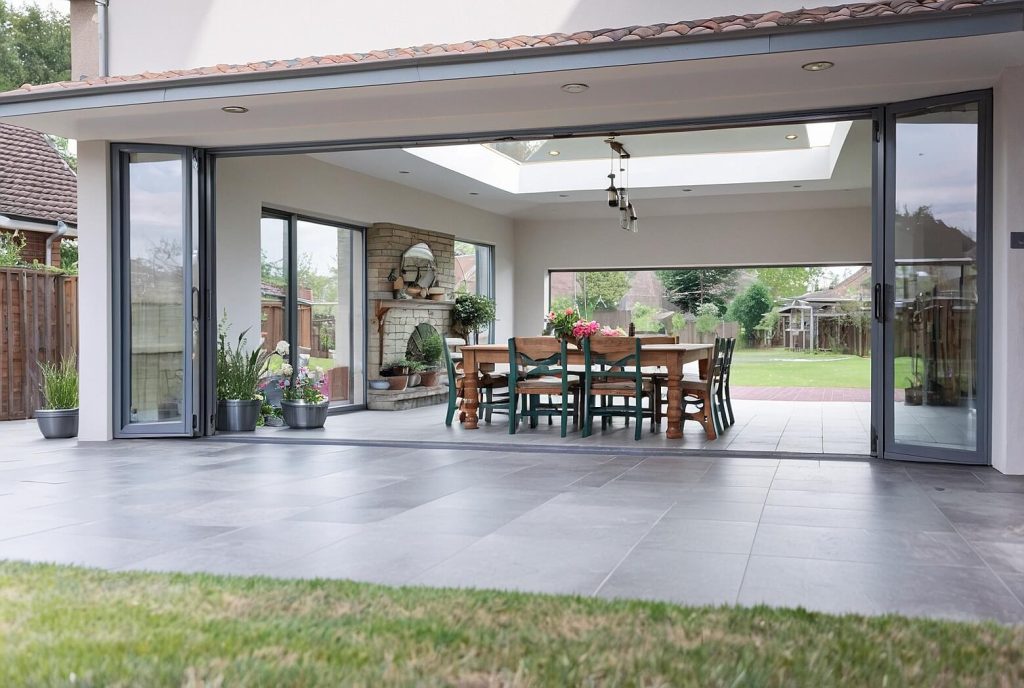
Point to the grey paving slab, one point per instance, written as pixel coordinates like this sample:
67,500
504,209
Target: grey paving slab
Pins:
834,535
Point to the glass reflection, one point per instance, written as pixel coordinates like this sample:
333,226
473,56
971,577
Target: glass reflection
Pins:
156,279
936,278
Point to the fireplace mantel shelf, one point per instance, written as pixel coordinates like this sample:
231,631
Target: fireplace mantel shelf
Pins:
388,304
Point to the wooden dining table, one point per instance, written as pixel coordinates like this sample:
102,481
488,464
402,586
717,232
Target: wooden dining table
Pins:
672,357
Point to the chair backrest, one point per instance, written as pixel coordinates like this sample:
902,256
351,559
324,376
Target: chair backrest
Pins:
449,363
532,357
730,346
613,357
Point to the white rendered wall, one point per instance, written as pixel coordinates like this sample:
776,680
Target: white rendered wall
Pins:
837,236
1008,275
159,35
94,288
309,186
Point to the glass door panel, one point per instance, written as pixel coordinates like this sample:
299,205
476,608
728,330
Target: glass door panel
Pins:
935,386
157,298
325,306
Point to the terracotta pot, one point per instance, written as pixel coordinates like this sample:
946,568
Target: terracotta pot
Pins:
396,383
429,378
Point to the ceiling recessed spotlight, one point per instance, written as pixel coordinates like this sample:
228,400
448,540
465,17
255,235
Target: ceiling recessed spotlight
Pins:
563,195
235,109
554,152
791,137
474,193
687,190
575,88
404,172
797,186
820,66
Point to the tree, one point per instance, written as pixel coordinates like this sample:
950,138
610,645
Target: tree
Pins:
708,318
35,46
601,290
750,307
783,282
688,289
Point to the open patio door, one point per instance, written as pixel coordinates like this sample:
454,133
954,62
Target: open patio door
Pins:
934,300
156,261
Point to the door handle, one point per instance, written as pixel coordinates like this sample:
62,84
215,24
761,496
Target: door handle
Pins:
878,303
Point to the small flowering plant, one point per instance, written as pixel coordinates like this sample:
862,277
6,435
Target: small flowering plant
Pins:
307,387
562,322
584,328
607,331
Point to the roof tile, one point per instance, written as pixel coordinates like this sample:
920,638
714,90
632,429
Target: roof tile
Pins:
35,183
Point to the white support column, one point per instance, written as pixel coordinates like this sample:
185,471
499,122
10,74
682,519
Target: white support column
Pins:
94,292
1008,275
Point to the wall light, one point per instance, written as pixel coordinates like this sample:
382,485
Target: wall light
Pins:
554,152
235,109
575,88
820,66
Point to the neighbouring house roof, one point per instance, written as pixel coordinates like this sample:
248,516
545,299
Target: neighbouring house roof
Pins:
759,22
35,182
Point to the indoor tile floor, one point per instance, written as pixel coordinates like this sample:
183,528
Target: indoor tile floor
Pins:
833,535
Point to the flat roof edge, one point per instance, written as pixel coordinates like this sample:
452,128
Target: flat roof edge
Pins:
992,19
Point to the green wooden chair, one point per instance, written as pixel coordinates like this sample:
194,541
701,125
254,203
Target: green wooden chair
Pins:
612,369
702,392
487,384
537,367
724,394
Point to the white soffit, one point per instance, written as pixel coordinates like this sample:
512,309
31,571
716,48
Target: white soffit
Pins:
811,156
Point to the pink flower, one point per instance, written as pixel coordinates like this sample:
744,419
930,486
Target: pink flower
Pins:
568,311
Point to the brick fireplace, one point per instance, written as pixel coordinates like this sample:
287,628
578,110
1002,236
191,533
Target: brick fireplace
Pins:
392,320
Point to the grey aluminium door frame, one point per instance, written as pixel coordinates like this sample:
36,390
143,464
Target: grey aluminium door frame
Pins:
884,274
189,424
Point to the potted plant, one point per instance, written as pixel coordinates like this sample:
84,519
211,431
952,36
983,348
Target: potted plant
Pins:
303,405
470,313
397,375
271,416
560,323
59,416
239,374
914,394
415,372
431,350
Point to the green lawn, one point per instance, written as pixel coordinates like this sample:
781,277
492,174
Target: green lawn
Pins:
83,627
785,368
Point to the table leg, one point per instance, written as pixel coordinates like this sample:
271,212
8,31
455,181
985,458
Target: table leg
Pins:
675,399
470,391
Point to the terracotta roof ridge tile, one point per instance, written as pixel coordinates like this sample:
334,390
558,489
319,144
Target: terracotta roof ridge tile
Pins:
668,30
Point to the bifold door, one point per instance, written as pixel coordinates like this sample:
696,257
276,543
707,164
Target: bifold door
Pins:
934,301
156,290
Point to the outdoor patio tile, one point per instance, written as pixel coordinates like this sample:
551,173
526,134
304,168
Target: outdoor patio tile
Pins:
895,519
153,529
696,578
951,592
1003,557
691,535
713,510
26,525
848,500
82,550
863,545
434,518
336,485
379,557
1015,583
703,491
534,564
340,512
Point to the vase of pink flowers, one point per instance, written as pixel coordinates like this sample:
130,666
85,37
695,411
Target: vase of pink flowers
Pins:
303,403
560,322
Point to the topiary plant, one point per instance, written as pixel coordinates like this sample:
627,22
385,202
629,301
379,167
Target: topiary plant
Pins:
471,312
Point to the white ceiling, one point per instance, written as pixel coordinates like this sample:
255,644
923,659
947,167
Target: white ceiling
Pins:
848,185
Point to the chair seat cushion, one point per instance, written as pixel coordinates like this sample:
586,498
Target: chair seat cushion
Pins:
544,385
620,386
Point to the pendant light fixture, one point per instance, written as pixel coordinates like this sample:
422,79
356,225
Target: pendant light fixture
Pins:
619,197
613,193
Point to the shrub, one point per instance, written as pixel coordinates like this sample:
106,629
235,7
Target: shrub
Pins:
60,384
471,312
431,350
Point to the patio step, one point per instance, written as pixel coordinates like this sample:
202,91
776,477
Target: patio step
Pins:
410,398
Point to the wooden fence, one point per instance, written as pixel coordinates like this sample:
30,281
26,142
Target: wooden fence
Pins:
38,322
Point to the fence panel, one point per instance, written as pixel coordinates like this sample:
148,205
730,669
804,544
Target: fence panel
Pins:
39,314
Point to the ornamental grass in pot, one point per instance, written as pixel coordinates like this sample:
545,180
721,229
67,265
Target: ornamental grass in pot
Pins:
303,404
58,418
239,376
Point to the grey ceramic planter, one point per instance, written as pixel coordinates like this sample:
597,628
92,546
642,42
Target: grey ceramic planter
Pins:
303,416
237,415
57,423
